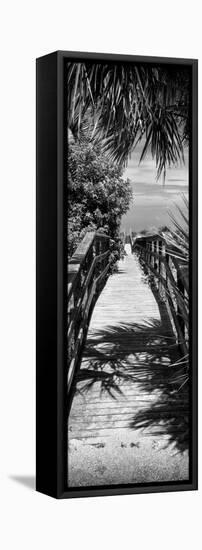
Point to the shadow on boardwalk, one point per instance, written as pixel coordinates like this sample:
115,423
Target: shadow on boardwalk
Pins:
145,357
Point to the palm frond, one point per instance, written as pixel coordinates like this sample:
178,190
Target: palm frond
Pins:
128,102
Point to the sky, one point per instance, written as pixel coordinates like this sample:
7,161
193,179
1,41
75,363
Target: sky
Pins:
151,201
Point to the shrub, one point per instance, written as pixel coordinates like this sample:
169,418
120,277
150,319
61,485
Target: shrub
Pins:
98,196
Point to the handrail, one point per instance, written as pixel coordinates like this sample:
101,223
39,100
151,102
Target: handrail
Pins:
80,255
87,274
170,277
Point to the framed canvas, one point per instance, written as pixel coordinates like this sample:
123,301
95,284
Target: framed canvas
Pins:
116,386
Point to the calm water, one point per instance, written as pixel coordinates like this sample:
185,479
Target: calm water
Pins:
151,200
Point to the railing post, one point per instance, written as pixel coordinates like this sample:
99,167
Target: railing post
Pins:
162,269
152,257
179,313
155,264
167,258
156,249
147,255
106,249
186,329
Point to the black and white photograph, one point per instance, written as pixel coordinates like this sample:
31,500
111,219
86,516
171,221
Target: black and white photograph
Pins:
100,294
129,191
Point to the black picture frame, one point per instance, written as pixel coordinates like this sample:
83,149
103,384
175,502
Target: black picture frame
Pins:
51,401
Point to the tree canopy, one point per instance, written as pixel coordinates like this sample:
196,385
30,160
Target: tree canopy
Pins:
97,195
122,104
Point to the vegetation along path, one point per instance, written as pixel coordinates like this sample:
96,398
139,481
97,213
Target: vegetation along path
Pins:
128,422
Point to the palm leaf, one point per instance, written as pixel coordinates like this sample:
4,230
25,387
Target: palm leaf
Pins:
128,102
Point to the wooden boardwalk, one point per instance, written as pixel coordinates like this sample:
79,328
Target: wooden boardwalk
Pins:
128,423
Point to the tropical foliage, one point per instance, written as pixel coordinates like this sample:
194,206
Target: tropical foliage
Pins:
97,195
177,237
176,241
121,104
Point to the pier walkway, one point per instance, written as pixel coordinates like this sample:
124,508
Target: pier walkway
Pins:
128,422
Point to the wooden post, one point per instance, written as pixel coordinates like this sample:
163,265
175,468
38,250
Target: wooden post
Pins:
179,313
162,270
152,257
157,263
166,275
147,253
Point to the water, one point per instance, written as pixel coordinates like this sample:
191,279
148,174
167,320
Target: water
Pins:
151,200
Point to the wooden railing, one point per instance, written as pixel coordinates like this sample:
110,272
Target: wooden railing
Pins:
170,277
87,274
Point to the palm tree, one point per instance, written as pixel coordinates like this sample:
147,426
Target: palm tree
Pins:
122,104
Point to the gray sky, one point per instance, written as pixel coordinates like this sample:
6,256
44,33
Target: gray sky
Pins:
151,201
